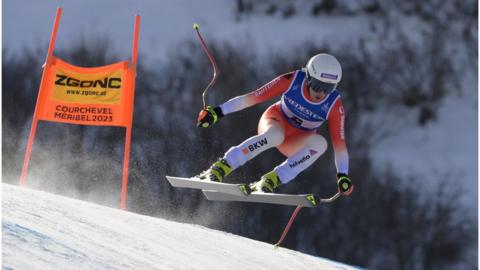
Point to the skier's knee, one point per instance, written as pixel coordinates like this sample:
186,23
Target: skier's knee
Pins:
318,143
274,135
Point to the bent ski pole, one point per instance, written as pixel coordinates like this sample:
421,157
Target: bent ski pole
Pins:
212,60
331,199
289,224
295,213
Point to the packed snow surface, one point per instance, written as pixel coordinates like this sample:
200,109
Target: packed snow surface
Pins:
45,231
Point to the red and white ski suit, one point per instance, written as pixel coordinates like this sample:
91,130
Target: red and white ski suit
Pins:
290,125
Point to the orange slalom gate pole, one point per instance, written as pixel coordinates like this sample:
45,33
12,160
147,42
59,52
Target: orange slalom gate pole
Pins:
136,33
128,134
33,129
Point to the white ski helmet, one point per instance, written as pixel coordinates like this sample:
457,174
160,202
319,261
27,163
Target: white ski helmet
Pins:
323,72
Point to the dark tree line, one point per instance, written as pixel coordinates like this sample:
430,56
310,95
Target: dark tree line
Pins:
387,223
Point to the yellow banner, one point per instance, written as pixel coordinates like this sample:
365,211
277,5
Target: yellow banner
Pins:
97,88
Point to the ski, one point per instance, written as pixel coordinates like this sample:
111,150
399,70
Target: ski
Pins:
304,200
239,190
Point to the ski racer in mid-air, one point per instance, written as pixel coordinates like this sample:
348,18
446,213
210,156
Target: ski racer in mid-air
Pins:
309,97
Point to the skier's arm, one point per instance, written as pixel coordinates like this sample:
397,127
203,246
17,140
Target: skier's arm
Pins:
209,116
268,91
336,126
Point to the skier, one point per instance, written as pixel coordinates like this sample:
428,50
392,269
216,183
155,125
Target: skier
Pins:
309,98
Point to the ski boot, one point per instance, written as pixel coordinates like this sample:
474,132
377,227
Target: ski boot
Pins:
268,183
216,172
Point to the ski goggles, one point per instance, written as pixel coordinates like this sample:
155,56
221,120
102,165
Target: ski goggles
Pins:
319,86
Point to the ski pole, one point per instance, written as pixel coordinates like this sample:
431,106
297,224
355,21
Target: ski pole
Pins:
289,224
295,213
212,61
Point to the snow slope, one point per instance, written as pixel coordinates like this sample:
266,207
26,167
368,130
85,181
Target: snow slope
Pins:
45,231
